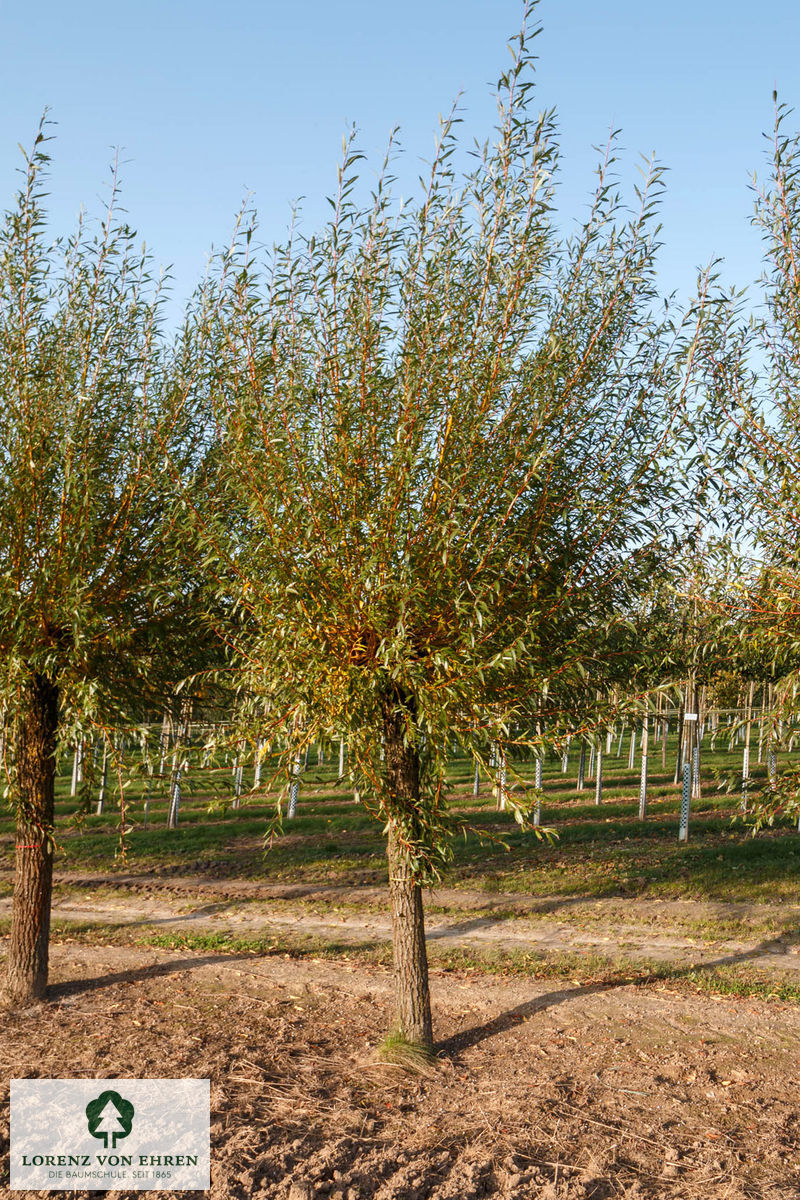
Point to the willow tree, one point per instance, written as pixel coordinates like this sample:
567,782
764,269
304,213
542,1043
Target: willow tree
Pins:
443,469
754,385
91,577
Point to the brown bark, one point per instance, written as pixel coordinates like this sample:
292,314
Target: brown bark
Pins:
412,994
26,973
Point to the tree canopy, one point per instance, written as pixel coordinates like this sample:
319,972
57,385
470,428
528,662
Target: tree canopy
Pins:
443,470
96,596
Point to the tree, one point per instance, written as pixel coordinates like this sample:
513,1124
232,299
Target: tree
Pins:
753,429
442,471
91,574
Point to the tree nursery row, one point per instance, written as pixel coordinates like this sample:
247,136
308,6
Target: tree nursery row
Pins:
435,475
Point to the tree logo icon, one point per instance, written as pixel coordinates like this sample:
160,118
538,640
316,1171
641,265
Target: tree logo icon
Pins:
109,1116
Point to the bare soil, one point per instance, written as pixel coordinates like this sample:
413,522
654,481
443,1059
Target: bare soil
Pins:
684,932
558,1091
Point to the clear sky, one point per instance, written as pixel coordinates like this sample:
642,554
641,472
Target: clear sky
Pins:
208,101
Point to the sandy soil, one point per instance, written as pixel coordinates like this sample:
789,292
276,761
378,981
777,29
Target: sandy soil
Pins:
654,930
558,1092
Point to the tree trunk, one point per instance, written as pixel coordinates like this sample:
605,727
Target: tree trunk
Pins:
26,974
412,994
582,767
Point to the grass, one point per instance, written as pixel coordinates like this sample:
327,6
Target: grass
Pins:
601,851
576,969
411,1057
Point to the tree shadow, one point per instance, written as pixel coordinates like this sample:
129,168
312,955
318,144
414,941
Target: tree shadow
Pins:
463,927
75,987
216,909
627,977
466,1038
232,889
521,904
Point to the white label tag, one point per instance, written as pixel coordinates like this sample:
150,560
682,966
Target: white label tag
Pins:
70,1135
690,716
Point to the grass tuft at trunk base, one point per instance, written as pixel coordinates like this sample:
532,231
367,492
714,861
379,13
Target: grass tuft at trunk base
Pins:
397,1051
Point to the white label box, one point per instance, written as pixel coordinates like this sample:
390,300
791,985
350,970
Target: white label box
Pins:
69,1135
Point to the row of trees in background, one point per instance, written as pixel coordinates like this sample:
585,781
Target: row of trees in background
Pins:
188,751
434,472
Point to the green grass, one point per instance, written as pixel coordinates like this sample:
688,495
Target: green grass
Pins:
578,970
601,851
410,1057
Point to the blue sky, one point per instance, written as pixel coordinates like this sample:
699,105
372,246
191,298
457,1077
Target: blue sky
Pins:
209,101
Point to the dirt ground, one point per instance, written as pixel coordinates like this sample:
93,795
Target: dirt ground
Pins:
546,1090
684,932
